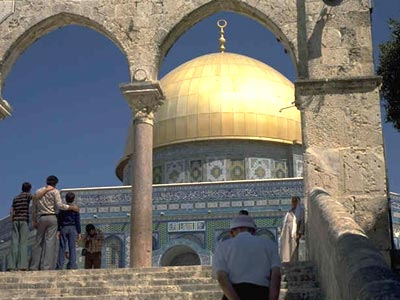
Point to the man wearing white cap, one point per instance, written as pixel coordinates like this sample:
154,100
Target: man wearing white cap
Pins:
247,266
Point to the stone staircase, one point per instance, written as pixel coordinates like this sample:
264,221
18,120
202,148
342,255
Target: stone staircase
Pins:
169,283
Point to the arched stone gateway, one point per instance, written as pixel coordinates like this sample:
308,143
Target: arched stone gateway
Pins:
336,92
180,255
181,252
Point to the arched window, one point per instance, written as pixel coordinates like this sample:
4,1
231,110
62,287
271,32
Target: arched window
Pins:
114,253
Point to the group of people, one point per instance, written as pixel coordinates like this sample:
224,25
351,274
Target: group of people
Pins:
248,267
54,221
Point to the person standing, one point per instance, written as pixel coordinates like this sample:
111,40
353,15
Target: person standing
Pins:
69,230
292,230
45,222
19,215
246,266
94,241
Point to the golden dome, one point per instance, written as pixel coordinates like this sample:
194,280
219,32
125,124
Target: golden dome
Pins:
226,96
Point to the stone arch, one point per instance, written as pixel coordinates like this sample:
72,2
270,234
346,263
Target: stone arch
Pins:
175,250
45,26
270,13
180,255
191,237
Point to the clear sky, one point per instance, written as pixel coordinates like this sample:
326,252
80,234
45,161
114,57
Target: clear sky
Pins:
71,120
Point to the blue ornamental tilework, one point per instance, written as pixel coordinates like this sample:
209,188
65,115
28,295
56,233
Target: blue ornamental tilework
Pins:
395,207
195,171
258,168
216,170
114,252
127,249
161,228
237,204
198,238
125,208
280,169
228,191
156,241
175,171
200,205
298,165
236,169
102,197
115,202
174,206
158,174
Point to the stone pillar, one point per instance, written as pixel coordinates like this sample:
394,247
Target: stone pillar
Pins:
344,153
144,98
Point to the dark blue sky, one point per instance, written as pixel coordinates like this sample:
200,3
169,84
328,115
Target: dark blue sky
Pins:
70,118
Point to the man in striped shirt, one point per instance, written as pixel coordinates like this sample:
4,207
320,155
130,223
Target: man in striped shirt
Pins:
19,215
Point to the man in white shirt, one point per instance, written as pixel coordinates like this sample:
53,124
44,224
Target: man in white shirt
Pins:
246,266
44,214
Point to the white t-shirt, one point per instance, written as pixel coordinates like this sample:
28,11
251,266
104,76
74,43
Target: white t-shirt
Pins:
246,259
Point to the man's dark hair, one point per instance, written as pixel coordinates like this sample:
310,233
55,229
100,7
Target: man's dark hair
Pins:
89,227
26,187
52,180
243,212
70,197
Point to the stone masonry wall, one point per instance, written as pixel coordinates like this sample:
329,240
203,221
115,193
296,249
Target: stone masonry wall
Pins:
352,267
344,149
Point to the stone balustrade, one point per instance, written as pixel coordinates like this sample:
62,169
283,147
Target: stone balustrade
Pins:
351,266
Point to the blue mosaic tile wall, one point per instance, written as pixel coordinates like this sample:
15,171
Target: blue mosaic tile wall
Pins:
195,214
395,207
222,160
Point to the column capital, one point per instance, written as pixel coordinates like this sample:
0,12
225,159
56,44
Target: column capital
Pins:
144,98
5,109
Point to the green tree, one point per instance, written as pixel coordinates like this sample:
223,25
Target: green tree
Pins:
389,69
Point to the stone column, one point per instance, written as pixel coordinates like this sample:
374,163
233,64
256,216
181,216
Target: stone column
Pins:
144,97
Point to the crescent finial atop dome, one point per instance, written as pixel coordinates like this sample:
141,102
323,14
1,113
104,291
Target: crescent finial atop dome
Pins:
222,24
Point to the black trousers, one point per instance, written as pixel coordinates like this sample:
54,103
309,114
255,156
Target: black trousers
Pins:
249,291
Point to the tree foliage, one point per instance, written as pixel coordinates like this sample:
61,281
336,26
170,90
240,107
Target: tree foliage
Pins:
389,69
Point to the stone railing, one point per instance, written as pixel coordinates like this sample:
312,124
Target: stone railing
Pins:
349,265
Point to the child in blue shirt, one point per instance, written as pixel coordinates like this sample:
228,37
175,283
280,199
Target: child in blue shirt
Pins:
69,230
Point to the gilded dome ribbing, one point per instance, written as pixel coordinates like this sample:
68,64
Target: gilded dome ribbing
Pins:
226,96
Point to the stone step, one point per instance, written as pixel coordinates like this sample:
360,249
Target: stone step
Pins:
16,277
170,283
97,291
198,295
305,294
300,294
148,296
64,284
83,282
